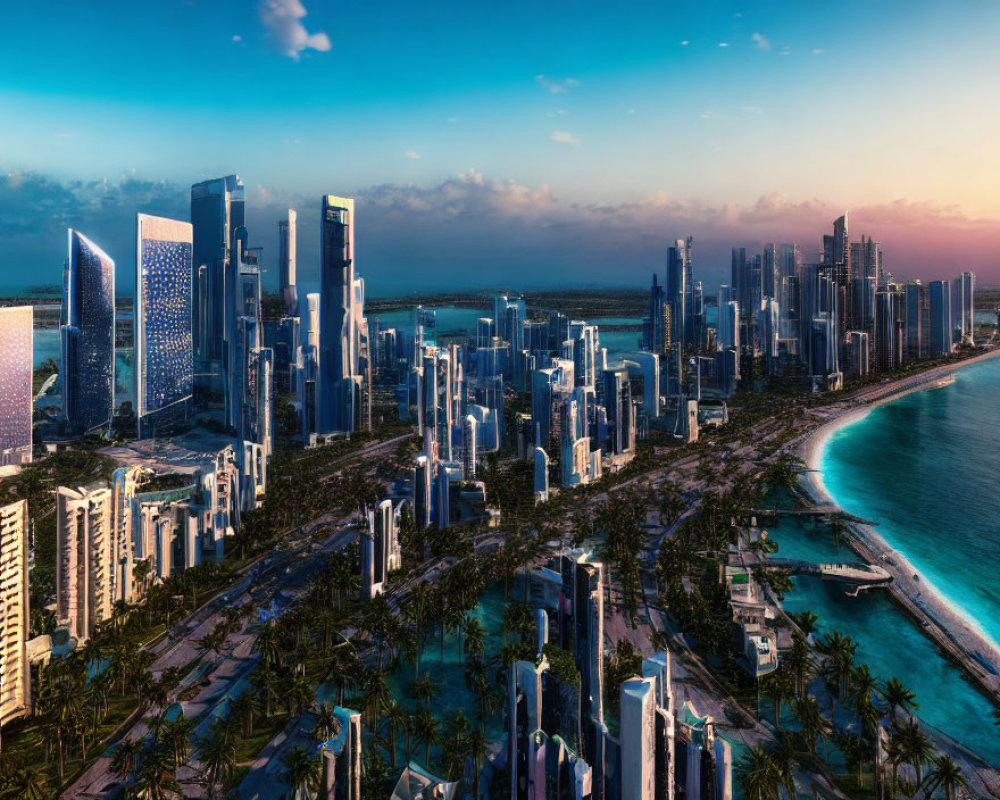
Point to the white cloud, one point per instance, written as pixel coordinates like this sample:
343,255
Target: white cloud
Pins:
283,18
564,137
706,115
413,155
556,86
237,37
723,44
817,51
559,112
761,41
452,120
684,43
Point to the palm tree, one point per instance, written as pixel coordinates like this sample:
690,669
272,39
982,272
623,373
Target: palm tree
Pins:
327,724
898,696
177,734
799,663
218,753
301,772
783,759
425,728
26,784
756,774
916,747
123,761
838,650
424,689
947,775
396,717
377,694
806,620
475,637
814,726
779,686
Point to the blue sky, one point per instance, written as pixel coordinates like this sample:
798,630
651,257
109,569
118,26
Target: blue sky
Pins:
627,124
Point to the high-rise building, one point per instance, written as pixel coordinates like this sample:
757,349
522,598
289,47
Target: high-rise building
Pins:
218,211
343,380
837,252
286,263
15,681
164,355
888,330
87,372
16,372
85,568
940,318
963,312
678,287
916,311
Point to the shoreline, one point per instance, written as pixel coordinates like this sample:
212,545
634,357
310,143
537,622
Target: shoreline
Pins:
935,614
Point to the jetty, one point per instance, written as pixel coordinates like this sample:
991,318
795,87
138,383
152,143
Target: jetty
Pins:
852,572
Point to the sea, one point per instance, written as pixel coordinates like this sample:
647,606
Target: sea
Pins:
925,468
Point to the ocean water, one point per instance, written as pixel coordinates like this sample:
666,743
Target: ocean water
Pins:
924,467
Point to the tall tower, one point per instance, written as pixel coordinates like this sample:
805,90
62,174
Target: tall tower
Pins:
15,699
338,401
164,355
88,336
286,263
679,273
218,211
16,371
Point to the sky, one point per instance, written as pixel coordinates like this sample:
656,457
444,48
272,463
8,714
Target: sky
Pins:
526,144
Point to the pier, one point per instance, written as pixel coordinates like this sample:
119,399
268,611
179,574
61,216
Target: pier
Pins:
847,572
809,511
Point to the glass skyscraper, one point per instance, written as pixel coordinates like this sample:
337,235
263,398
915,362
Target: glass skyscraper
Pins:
218,210
16,370
164,356
88,336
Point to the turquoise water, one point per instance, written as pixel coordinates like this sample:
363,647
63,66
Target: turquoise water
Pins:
924,467
889,642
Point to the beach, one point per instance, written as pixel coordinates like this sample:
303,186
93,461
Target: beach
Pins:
939,618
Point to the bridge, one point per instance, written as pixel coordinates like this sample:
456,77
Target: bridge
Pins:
810,511
846,572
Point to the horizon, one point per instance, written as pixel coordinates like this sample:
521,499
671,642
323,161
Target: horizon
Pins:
557,148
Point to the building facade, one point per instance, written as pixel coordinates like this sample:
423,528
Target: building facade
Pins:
15,683
87,336
16,372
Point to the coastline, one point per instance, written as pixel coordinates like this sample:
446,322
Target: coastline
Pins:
937,616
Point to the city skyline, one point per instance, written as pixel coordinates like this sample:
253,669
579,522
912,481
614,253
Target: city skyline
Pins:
712,121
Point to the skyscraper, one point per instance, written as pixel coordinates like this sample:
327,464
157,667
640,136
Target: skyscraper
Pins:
164,357
679,279
940,328
85,569
218,211
286,263
15,681
342,378
16,370
88,336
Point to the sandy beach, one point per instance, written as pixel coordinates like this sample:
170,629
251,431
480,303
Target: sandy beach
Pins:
937,616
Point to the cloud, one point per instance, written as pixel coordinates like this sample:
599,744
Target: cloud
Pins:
817,51
445,227
452,120
762,42
555,86
559,112
237,37
412,155
706,115
283,19
685,43
564,137
723,44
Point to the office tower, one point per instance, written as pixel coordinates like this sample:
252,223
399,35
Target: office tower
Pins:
585,344
286,263
769,281
837,252
866,260
124,484
485,331
15,680
654,331
16,372
649,363
470,443
888,330
342,380
916,302
508,314
858,363
380,548
940,318
861,308
963,312
84,564
728,326
87,372
342,758
164,358
549,387
218,211
679,279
